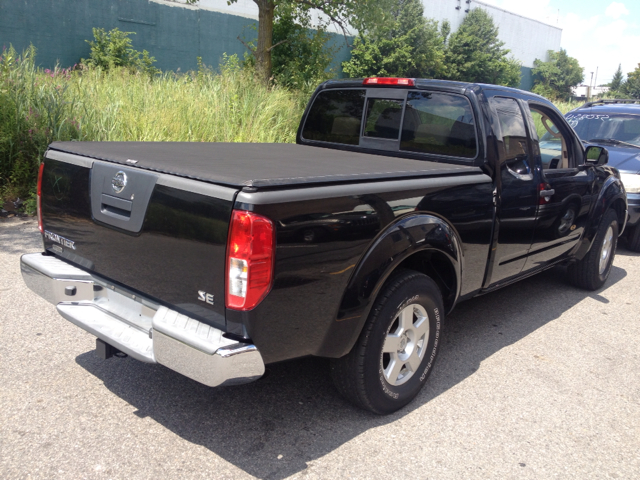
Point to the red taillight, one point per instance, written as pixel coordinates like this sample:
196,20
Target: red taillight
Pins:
250,254
410,82
39,198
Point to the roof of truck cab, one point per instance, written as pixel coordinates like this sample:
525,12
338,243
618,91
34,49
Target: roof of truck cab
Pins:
259,164
429,83
446,85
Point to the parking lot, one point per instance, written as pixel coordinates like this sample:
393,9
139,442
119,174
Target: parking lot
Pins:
538,380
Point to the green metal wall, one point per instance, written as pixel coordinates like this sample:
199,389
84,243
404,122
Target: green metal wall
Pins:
174,35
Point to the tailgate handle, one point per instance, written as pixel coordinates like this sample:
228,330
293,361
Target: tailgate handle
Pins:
116,207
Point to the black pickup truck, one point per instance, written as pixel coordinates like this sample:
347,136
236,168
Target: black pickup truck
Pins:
401,198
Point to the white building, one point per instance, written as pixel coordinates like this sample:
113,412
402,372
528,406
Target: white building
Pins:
528,39
581,92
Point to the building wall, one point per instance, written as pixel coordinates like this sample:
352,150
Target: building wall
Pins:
527,39
174,33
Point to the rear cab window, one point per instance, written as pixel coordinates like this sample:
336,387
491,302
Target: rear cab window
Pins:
412,122
336,117
383,118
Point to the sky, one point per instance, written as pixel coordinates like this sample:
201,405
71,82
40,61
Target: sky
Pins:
600,33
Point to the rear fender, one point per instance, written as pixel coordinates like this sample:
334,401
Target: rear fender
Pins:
410,242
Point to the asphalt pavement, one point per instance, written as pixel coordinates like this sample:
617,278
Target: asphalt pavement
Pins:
538,380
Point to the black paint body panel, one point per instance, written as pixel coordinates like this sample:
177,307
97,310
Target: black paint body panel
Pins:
334,254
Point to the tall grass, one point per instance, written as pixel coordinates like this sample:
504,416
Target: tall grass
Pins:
40,106
204,107
34,108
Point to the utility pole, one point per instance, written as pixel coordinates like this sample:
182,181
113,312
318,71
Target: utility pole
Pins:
589,88
595,82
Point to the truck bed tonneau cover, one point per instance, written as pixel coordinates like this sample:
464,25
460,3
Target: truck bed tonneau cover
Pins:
258,164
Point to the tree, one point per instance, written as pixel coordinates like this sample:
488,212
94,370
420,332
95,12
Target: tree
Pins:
617,80
631,87
475,54
342,13
408,45
556,77
303,56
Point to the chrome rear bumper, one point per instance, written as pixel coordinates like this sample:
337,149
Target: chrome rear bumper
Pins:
139,327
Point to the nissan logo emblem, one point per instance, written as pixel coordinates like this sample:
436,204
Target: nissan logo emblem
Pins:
119,182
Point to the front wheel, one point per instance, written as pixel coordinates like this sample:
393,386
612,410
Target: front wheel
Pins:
397,348
593,270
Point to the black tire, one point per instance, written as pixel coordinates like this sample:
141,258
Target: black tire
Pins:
633,239
362,376
587,273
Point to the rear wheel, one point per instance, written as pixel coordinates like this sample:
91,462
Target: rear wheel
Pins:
397,348
593,270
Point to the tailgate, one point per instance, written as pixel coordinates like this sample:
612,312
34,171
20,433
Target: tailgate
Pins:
161,235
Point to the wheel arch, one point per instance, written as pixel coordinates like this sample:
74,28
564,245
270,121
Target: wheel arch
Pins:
612,195
423,242
620,206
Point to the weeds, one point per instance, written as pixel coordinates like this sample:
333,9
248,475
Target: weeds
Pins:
34,108
38,107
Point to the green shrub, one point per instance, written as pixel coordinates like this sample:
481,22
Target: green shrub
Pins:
114,49
301,56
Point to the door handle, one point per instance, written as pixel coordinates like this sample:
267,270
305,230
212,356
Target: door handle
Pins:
547,193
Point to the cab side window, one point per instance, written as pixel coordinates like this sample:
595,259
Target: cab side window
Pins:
514,135
440,124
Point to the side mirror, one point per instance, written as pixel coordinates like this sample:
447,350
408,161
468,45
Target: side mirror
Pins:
595,155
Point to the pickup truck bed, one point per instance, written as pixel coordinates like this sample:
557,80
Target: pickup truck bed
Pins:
259,165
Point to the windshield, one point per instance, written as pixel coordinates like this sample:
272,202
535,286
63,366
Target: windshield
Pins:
624,128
